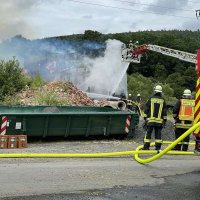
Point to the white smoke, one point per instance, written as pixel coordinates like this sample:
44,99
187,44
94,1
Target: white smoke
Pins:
107,74
91,66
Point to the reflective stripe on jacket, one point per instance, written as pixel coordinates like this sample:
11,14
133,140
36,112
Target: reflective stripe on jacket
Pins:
183,113
156,110
186,111
183,125
156,114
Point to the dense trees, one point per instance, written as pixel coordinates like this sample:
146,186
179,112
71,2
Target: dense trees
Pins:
173,74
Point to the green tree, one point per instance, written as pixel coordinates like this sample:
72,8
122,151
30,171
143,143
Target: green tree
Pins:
176,81
179,68
190,77
92,35
137,83
160,72
168,92
12,78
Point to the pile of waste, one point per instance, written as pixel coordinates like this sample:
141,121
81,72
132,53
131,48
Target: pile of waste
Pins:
56,93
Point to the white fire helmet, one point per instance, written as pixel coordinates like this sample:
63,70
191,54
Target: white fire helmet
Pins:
138,95
187,92
158,89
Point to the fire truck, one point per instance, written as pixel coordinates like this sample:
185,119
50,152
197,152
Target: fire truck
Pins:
135,53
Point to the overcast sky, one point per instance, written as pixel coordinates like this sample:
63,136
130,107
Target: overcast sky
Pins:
44,18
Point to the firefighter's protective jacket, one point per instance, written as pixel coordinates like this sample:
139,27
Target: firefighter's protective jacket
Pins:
138,99
183,113
155,110
130,103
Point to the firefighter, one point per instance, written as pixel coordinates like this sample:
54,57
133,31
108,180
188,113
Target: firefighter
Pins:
183,113
130,102
130,45
136,44
138,98
137,104
155,116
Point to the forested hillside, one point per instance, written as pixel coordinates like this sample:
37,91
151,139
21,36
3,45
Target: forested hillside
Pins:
172,73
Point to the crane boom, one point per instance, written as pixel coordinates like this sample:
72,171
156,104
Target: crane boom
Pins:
189,57
134,55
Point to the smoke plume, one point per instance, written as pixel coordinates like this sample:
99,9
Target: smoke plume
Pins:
93,67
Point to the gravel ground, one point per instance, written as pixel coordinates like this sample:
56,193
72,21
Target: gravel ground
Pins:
87,146
167,132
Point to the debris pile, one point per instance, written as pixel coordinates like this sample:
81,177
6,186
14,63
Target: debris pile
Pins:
56,93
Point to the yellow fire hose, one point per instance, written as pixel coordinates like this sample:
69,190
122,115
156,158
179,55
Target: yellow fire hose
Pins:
110,154
165,151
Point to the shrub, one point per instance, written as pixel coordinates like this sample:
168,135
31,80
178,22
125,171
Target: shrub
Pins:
37,81
10,100
48,98
12,78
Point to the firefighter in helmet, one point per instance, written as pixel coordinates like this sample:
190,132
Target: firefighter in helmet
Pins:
138,104
130,102
183,113
130,45
138,98
155,116
136,44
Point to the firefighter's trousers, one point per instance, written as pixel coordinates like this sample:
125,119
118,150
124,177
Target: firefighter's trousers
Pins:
147,138
183,145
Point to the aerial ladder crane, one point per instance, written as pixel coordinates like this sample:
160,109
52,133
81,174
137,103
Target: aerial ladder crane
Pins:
134,55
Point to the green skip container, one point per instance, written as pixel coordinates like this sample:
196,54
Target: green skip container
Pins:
67,121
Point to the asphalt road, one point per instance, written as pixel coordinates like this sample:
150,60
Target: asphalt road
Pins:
175,187
171,177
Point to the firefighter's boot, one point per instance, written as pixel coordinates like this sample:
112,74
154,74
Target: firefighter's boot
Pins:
146,146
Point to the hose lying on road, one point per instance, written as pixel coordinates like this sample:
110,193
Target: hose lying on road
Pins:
110,154
167,149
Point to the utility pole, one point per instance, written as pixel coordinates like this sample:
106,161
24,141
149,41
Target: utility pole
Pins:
197,13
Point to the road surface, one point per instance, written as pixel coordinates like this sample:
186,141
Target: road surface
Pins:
171,177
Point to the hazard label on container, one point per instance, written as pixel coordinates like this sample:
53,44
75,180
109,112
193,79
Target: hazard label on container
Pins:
18,125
